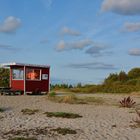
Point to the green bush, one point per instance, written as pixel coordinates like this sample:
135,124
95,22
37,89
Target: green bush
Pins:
4,77
52,94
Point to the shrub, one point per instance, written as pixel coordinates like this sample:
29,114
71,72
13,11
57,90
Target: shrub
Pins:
2,110
52,94
64,131
62,115
27,111
4,77
127,102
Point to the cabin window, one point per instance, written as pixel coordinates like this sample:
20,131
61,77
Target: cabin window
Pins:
17,74
33,74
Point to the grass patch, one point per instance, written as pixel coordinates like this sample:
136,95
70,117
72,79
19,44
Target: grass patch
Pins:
64,131
96,100
51,94
2,110
27,111
73,99
62,115
22,138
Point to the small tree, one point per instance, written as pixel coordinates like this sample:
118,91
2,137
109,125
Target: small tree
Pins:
122,76
113,77
4,77
134,73
79,85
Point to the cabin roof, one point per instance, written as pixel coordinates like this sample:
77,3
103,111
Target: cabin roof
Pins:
23,64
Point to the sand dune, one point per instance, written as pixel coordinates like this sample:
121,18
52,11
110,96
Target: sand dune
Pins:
99,122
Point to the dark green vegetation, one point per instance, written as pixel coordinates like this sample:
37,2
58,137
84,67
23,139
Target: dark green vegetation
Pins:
62,115
27,111
22,138
2,110
4,77
127,102
18,134
73,99
64,131
115,83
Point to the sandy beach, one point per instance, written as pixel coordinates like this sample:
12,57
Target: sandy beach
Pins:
98,122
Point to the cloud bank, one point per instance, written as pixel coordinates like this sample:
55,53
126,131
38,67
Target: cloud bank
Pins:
92,65
134,52
123,7
96,50
81,44
93,48
10,25
131,27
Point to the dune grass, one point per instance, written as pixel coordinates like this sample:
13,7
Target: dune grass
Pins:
64,131
73,99
22,138
62,115
27,111
2,110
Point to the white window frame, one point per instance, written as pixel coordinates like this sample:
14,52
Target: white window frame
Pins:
35,79
17,69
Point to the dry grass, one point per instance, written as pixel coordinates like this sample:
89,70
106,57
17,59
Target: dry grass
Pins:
73,99
64,131
22,138
27,111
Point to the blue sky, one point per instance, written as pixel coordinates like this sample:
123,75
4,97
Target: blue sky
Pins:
82,40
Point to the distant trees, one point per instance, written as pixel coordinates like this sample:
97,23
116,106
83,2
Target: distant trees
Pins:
111,78
60,86
121,82
4,77
122,76
134,73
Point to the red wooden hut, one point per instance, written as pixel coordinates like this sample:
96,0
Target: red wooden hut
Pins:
29,77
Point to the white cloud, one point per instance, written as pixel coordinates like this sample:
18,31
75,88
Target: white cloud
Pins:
68,31
124,7
134,52
131,27
61,46
81,44
10,24
96,50
92,65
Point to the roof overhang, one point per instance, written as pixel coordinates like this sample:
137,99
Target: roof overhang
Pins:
23,64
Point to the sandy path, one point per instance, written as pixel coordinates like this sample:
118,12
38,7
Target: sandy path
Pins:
97,123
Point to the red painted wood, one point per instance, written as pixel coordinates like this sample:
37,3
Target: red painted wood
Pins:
42,85
31,85
16,84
